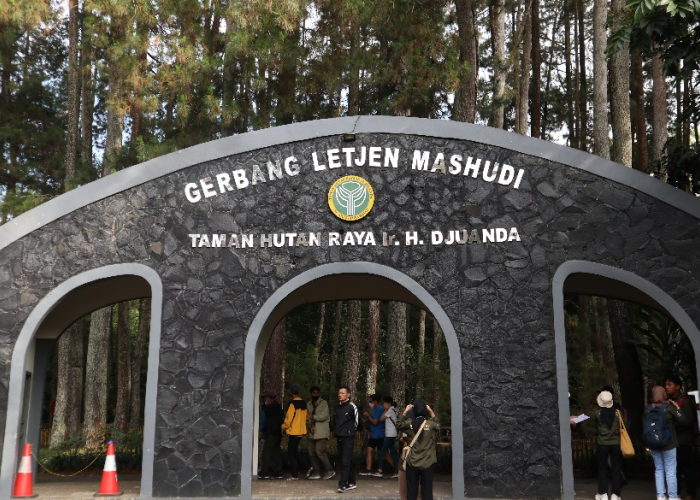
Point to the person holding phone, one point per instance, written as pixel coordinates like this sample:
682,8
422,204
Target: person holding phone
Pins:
421,433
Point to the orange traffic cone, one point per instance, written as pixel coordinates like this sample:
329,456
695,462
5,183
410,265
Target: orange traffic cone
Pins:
23,483
109,486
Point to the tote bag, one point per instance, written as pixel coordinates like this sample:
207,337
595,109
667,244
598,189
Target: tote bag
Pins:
625,442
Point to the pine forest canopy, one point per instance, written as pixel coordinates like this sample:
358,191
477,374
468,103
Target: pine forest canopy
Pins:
93,87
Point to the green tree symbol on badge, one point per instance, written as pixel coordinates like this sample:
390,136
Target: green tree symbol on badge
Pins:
352,196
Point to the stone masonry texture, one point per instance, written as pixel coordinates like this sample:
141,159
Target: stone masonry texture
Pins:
497,296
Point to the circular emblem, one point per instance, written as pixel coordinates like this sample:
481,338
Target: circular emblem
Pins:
350,198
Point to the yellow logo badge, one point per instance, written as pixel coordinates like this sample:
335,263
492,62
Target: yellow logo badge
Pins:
350,198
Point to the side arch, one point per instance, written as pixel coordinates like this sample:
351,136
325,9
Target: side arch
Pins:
271,308
630,287
43,310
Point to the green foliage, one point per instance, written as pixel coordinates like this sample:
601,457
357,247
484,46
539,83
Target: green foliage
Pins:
682,165
664,349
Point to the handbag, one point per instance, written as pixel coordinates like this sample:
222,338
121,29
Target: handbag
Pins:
407,450
625,442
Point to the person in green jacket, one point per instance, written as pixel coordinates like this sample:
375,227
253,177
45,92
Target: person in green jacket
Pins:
607,425
686,428
665,458
422,456
318,423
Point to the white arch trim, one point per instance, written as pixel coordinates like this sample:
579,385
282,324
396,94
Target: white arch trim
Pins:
10,449
250,384
653,291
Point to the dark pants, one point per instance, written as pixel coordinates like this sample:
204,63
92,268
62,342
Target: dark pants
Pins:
345,453
424,477
602,452
687,466
295,460
272,457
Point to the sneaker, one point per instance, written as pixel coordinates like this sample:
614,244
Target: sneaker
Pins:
261,476
378,473
614,497
604,496
365,472
329,474
315,475
395,475
350,487
279,477
341,489
309,473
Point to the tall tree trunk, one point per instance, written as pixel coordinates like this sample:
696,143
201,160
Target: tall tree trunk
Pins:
583,82
123,363
73,101
273,375
319,342
137,361
535,119
287,78
86,110
466,95
573,142
351,352
686,104
629,369
525,72
354,77
601,141
498,43
396,351
640,120
421,354
373,347
97,377
437,343
69,388
333,379
660,110
620,93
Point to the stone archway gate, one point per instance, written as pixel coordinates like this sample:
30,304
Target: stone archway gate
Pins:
489,223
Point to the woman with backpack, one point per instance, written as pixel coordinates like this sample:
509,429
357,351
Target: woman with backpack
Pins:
659,435
607,425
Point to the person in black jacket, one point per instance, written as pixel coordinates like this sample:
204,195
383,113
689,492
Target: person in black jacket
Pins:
272,453
347,418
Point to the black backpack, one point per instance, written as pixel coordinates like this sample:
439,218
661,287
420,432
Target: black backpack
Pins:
656,433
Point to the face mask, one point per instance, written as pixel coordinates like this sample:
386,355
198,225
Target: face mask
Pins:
371,405
315,398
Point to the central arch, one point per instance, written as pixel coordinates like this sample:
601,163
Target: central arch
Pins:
387,283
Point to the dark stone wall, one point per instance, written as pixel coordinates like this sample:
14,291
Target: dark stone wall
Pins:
498,296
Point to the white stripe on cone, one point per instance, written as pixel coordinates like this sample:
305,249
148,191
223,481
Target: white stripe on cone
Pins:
110,464
25,465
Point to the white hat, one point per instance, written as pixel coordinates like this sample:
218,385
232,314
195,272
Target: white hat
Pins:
605,399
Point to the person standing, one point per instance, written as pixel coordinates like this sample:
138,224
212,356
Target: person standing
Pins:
389,418
686,428
347,418
295,427
421,433
665,457
376,431
271,465
607,425
318,423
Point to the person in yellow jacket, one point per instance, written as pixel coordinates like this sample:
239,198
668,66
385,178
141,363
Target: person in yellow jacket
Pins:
294,426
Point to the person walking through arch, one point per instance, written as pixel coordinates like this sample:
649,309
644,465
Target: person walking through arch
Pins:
664,454
422,432
295,427
271,465
607,425
391,432
347,418
376,432
318,423
686,430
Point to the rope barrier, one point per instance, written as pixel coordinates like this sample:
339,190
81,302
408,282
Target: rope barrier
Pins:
69,475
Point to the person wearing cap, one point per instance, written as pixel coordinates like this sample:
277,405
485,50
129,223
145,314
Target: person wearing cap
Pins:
686,429
421,460
271,465
294,426
607,425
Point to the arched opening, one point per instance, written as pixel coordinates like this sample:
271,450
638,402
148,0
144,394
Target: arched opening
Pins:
618,287
68,302
343,281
